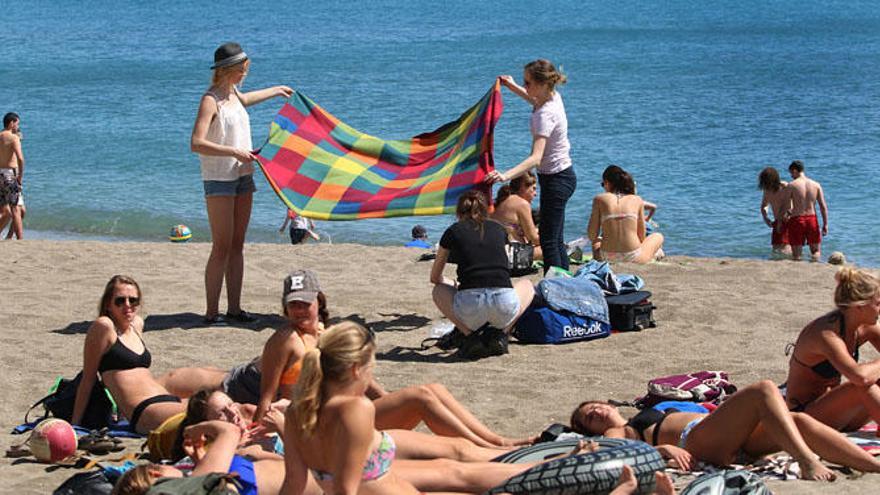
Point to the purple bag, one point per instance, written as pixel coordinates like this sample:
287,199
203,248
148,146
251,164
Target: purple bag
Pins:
700,386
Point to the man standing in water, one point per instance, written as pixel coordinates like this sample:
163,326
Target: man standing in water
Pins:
11,172
774,200
802,226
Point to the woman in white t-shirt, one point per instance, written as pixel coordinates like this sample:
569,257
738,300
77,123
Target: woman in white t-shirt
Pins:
222,138
550,154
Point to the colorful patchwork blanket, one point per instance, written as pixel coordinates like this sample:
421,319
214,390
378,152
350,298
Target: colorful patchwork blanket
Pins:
324,169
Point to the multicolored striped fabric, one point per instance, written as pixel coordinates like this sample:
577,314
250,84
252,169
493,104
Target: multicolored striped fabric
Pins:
324,169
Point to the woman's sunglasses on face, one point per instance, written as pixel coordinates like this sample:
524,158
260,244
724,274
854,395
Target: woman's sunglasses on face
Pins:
120,301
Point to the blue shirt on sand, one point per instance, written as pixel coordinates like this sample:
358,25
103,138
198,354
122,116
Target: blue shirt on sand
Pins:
418,243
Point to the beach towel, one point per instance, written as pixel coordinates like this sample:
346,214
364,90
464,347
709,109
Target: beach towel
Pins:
119,429
324,169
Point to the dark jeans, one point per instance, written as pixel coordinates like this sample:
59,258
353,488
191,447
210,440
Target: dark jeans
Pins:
555,191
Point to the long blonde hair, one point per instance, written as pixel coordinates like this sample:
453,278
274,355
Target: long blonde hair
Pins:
855,286
340,347
135,481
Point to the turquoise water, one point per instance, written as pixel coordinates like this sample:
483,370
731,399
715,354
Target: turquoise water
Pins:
693,98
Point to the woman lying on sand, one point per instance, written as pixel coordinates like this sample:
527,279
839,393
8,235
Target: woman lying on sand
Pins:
114,348
275,373
263,476
753,421
330,430
829,347
618,215
214,404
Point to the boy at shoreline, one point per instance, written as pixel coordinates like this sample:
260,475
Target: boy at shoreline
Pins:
774,200
11,173
802,193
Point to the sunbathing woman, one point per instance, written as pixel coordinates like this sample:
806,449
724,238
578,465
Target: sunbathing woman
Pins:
330,430
753,421
273,374
263,476
214,404
618,215
829,347
114,348
513,210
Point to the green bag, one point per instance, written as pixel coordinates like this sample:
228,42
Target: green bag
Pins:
209,484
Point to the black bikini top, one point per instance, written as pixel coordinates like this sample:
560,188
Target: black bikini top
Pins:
120,357
824,368
645,419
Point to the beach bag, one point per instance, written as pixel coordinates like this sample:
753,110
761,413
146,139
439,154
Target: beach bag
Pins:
60,401
700,386
543,325
209,484
520,257
87,483
631,311
727,482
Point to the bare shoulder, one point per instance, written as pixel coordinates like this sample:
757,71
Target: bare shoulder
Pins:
138,325
101,329
350,408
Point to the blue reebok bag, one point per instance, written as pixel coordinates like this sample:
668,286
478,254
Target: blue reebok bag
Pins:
543,325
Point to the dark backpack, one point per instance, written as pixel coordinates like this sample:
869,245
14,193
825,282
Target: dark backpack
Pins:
88,483
59,403
209,484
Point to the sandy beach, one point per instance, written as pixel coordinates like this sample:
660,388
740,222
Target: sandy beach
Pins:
721,314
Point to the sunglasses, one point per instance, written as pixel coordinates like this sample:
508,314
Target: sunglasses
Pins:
122,300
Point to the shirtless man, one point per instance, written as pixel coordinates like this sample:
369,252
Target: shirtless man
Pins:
11,171
774,200
802,226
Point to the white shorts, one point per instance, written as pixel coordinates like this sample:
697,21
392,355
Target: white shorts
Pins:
496,306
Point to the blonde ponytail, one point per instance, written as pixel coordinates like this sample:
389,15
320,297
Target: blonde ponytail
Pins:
340,347
855,287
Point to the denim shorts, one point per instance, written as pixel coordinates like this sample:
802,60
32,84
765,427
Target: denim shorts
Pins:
243,185
476,307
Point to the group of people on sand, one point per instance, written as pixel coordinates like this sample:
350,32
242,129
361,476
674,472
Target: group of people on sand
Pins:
341,432
12,209
793,207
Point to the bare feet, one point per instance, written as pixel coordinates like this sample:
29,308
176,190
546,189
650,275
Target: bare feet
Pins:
627,484
813,469
664,484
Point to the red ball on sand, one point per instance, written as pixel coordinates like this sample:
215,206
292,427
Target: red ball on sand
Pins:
52,440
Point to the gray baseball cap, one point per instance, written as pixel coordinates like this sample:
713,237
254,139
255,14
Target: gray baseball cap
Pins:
301,285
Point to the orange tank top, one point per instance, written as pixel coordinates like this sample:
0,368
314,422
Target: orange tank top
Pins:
291,374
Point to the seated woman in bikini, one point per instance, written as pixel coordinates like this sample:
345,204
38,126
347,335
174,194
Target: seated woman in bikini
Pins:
263,476
114,348
513,210
617,222
274,373
754,421
330,430
828,348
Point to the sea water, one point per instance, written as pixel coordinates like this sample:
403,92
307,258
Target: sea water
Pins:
694,98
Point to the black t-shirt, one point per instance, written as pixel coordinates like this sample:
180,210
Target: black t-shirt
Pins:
481,257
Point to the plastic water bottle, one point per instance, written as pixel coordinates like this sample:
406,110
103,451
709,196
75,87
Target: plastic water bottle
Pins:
440,329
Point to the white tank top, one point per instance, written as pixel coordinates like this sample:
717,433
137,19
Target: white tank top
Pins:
230,127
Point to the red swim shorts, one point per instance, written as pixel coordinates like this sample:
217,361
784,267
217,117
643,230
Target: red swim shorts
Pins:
780,233
803,229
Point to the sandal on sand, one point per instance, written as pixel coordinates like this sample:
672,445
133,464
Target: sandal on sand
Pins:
97,442
16,451
242,317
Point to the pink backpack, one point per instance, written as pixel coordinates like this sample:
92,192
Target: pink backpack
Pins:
700,386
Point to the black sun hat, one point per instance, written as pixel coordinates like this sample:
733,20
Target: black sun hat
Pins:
228,54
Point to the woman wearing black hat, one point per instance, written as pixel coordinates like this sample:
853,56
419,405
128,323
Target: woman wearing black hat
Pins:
222,138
